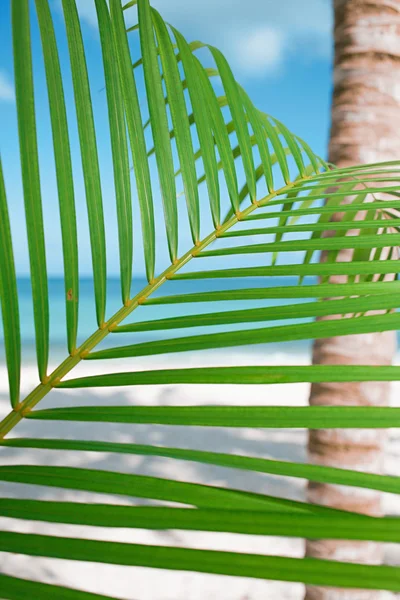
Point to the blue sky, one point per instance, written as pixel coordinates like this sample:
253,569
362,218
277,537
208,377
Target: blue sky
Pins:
281,55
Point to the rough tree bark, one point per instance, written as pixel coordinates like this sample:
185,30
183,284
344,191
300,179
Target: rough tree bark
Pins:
365,128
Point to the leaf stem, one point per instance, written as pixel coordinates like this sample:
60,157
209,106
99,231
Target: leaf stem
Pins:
17,414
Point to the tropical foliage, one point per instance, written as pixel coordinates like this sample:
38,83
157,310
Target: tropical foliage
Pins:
243,174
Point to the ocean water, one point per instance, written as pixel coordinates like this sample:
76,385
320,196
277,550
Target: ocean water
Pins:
87,319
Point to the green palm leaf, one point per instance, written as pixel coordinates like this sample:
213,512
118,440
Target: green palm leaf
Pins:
261,465
31,179
62,155
225,563
119,149
183,138
136,136
192,140
159,123
90,164
9,299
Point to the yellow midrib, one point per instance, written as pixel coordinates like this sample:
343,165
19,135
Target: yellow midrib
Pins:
17,414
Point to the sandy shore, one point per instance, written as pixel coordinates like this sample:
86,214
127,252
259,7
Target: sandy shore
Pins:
146,584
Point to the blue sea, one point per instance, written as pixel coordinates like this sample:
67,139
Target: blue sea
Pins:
87,319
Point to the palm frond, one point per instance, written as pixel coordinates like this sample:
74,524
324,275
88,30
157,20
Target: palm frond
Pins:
193,136
89,155
31,179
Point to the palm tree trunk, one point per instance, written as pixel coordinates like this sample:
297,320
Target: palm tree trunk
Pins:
365,128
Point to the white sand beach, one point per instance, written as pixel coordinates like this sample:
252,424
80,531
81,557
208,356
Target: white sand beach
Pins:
145,584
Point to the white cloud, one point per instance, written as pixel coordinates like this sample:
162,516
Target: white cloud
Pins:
255,35
6,88
259,51
87,12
